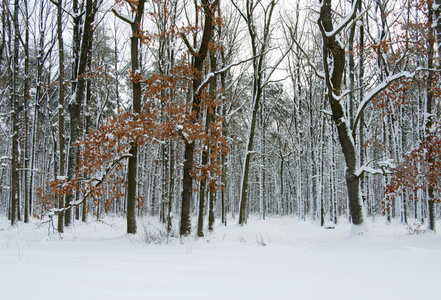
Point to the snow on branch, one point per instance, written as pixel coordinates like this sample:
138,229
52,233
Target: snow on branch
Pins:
274,67
211,75
348,19
125,18
54,211
381,87
385,167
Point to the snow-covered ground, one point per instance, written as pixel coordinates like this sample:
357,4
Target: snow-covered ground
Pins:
279,258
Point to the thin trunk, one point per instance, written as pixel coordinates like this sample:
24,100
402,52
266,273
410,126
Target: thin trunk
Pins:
256,95
15,187
436,7
429,122
61,141
170,188
136,94
210,118
361,126
322,169
26,116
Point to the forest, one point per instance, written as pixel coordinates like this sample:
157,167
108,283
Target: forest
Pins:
196,113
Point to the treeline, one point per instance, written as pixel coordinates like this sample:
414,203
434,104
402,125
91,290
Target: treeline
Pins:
199,110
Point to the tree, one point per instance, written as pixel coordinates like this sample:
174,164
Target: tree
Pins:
198,53
259,47
135,23
61,141
436,8
419,169
15,177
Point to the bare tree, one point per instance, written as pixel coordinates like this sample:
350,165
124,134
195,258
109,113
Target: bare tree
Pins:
261,75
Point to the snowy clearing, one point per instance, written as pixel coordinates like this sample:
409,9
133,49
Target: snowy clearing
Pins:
280,258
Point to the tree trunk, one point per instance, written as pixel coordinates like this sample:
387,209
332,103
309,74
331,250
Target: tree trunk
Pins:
136,94
61,141
429,100
333,75
256,93
15,187
26,116
77,99
437,22
136,106
198,59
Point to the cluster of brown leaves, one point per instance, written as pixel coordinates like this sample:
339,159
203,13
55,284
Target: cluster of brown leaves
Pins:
420,170
100,173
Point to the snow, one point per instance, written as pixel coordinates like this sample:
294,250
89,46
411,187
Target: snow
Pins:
279,258
124,17
367,169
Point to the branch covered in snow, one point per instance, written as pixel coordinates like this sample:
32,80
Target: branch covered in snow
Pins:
99,181
125,18
273,68
385,167
381,87
348,19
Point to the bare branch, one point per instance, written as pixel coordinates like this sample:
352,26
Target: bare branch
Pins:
380,88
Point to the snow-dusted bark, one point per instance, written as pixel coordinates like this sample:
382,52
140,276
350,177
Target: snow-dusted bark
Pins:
334,70
61,140
199,56
77,97
259,45
15,187
436,7
136,106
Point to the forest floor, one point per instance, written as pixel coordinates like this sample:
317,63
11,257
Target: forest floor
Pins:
279,258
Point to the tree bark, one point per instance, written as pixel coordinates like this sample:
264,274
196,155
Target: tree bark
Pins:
15,187
258,65
437,22
61,141
26,116
429,102
77,99
334,71
198,59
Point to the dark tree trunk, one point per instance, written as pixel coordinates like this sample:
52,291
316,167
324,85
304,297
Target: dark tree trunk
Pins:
211,218
136,106
334,70
64,218
429,102
187,190
61,141
26,116
204,181
198,59
75,104
15,187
